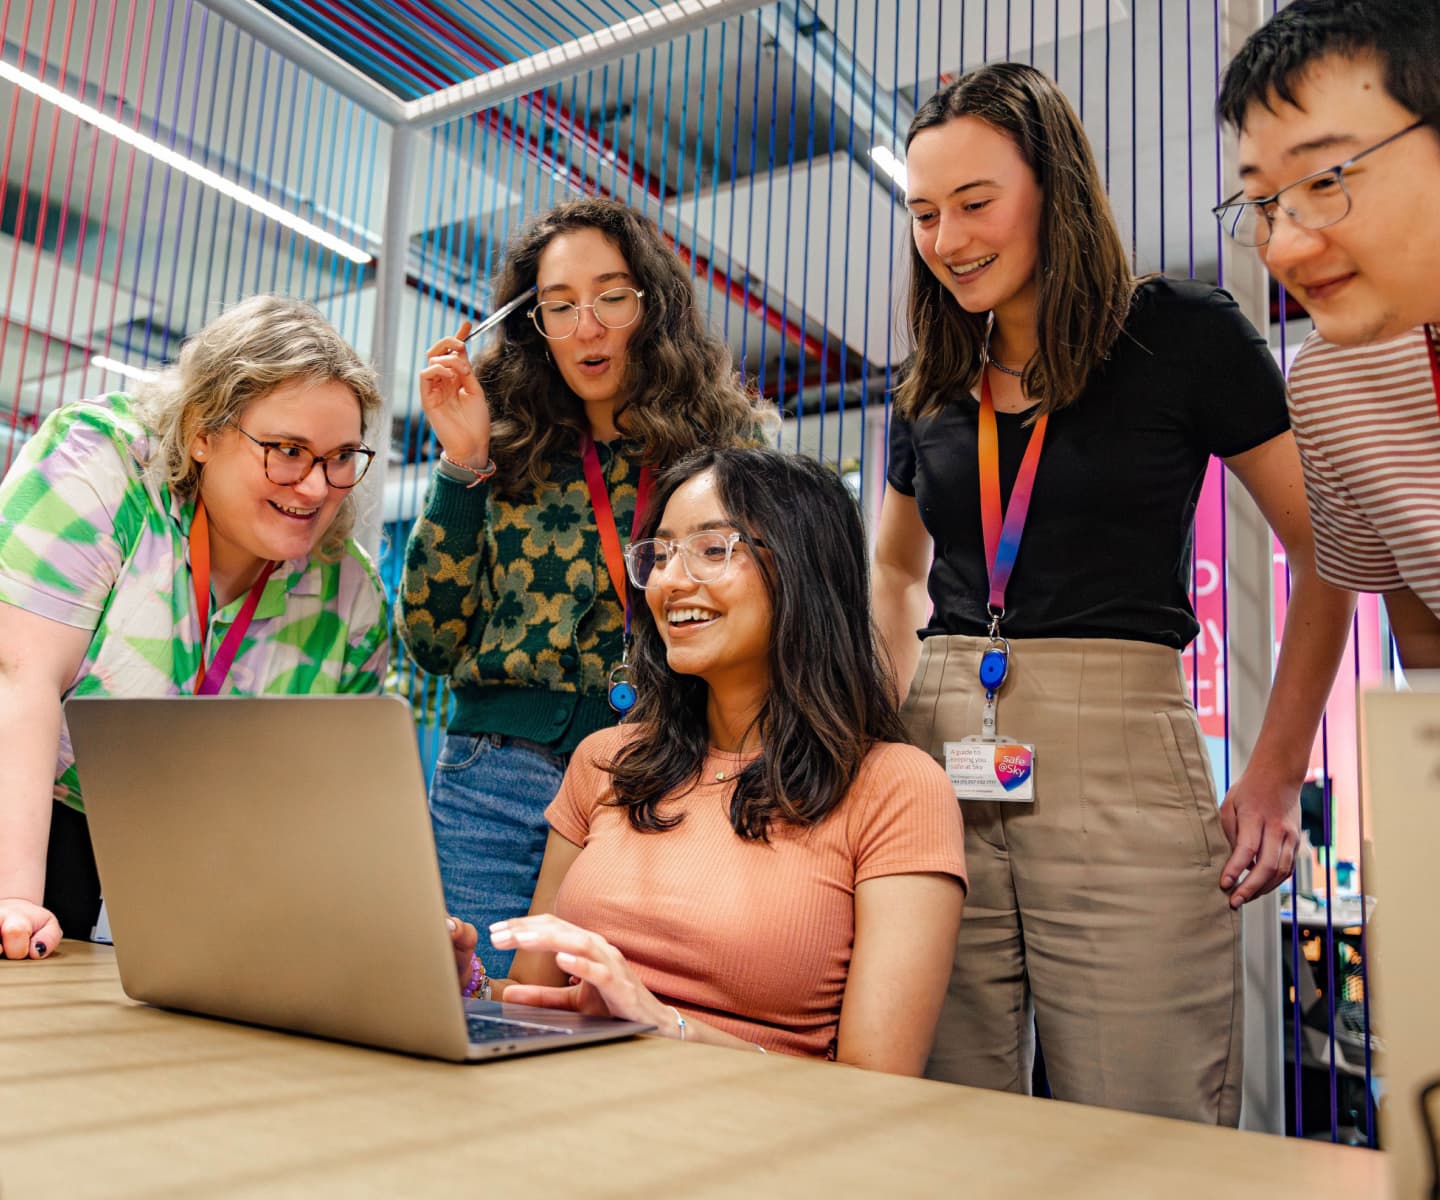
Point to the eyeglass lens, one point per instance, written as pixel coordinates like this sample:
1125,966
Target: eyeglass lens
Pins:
1310,203
614,309
291,464
705,556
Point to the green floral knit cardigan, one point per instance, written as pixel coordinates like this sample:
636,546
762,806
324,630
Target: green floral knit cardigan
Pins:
512,600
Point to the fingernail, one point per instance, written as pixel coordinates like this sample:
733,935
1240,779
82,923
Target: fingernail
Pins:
1227,881
499,925
564,959
40,949
450,921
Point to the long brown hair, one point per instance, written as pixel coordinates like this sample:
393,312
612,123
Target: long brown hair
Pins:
1083,277
682,389
830,700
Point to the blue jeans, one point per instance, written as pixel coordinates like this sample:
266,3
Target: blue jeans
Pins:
487,804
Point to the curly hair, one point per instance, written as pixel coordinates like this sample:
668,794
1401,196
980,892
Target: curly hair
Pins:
681,385
831,698
243,354
1083,277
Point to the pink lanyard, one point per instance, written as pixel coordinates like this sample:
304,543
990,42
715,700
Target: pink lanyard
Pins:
1002,528
207,683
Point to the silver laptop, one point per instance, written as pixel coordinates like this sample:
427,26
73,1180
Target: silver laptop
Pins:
270,860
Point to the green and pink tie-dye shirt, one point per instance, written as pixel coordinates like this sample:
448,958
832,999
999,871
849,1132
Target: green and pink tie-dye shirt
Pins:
88,539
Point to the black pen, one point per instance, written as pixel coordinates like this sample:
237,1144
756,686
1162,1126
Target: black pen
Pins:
499,315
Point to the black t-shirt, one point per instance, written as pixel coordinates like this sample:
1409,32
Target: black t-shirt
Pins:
1106,550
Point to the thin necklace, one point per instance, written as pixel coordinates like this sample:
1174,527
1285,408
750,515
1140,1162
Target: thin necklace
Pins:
996,363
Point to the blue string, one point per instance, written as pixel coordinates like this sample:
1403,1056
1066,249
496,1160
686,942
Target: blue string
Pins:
277,233
164,58
172,292
785,254
750,216
734,164
215,225
1189,143
665,141
1134,153
809,195
1160,121
715,174
770,226
203,193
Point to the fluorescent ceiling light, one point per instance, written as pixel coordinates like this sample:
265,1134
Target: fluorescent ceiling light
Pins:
266,208
121,368
885,159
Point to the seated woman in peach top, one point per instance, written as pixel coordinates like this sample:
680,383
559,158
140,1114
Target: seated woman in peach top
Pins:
755,859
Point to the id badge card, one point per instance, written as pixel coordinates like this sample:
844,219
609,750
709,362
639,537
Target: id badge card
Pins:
983,768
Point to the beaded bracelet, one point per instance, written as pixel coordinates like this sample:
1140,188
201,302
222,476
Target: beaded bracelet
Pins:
480,476
477,979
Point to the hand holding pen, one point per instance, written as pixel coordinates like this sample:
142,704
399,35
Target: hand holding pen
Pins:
451,395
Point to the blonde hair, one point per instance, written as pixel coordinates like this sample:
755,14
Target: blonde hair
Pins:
245,353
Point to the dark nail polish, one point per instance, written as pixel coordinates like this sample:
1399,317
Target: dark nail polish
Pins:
40,949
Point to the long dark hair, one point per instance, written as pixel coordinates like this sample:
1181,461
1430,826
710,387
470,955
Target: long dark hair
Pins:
830,697
1082,274
682,387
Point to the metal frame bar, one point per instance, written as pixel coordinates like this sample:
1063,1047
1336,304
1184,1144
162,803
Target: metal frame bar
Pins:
288,42
570,58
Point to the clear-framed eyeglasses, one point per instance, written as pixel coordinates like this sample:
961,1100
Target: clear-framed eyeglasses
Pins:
614,309
705,555
1314,202
287,464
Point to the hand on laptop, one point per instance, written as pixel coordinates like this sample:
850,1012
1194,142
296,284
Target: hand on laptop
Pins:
27,929
464,937
607,985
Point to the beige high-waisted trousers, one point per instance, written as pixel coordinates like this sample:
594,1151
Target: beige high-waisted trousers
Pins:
1094,915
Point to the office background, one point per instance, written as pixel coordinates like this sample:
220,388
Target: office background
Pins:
163,158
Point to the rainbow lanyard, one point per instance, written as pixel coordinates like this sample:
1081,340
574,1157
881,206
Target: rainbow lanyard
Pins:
207,683
621,693
1002,528
1002,538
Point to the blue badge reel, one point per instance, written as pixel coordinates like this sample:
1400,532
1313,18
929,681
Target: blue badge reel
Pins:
621,695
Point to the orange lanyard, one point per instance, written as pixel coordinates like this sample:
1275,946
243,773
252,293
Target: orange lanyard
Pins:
605,519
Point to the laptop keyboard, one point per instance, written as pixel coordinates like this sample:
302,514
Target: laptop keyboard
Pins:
489,1029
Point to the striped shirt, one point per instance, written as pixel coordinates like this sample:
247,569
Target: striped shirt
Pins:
1367,421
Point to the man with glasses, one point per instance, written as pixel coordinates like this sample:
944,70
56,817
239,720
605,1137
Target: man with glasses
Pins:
1336,103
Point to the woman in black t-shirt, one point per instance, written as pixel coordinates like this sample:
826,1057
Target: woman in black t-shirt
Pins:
1058,405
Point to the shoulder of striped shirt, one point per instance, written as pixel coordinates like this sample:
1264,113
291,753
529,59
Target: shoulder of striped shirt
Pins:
1316,356
1371,411
1385,378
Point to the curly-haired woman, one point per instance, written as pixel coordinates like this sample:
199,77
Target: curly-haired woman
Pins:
513,582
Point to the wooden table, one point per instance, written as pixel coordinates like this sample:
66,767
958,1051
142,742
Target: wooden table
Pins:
103,1097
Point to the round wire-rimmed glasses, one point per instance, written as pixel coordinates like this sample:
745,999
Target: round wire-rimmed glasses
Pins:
287,464
1317,201
705,555
615,308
